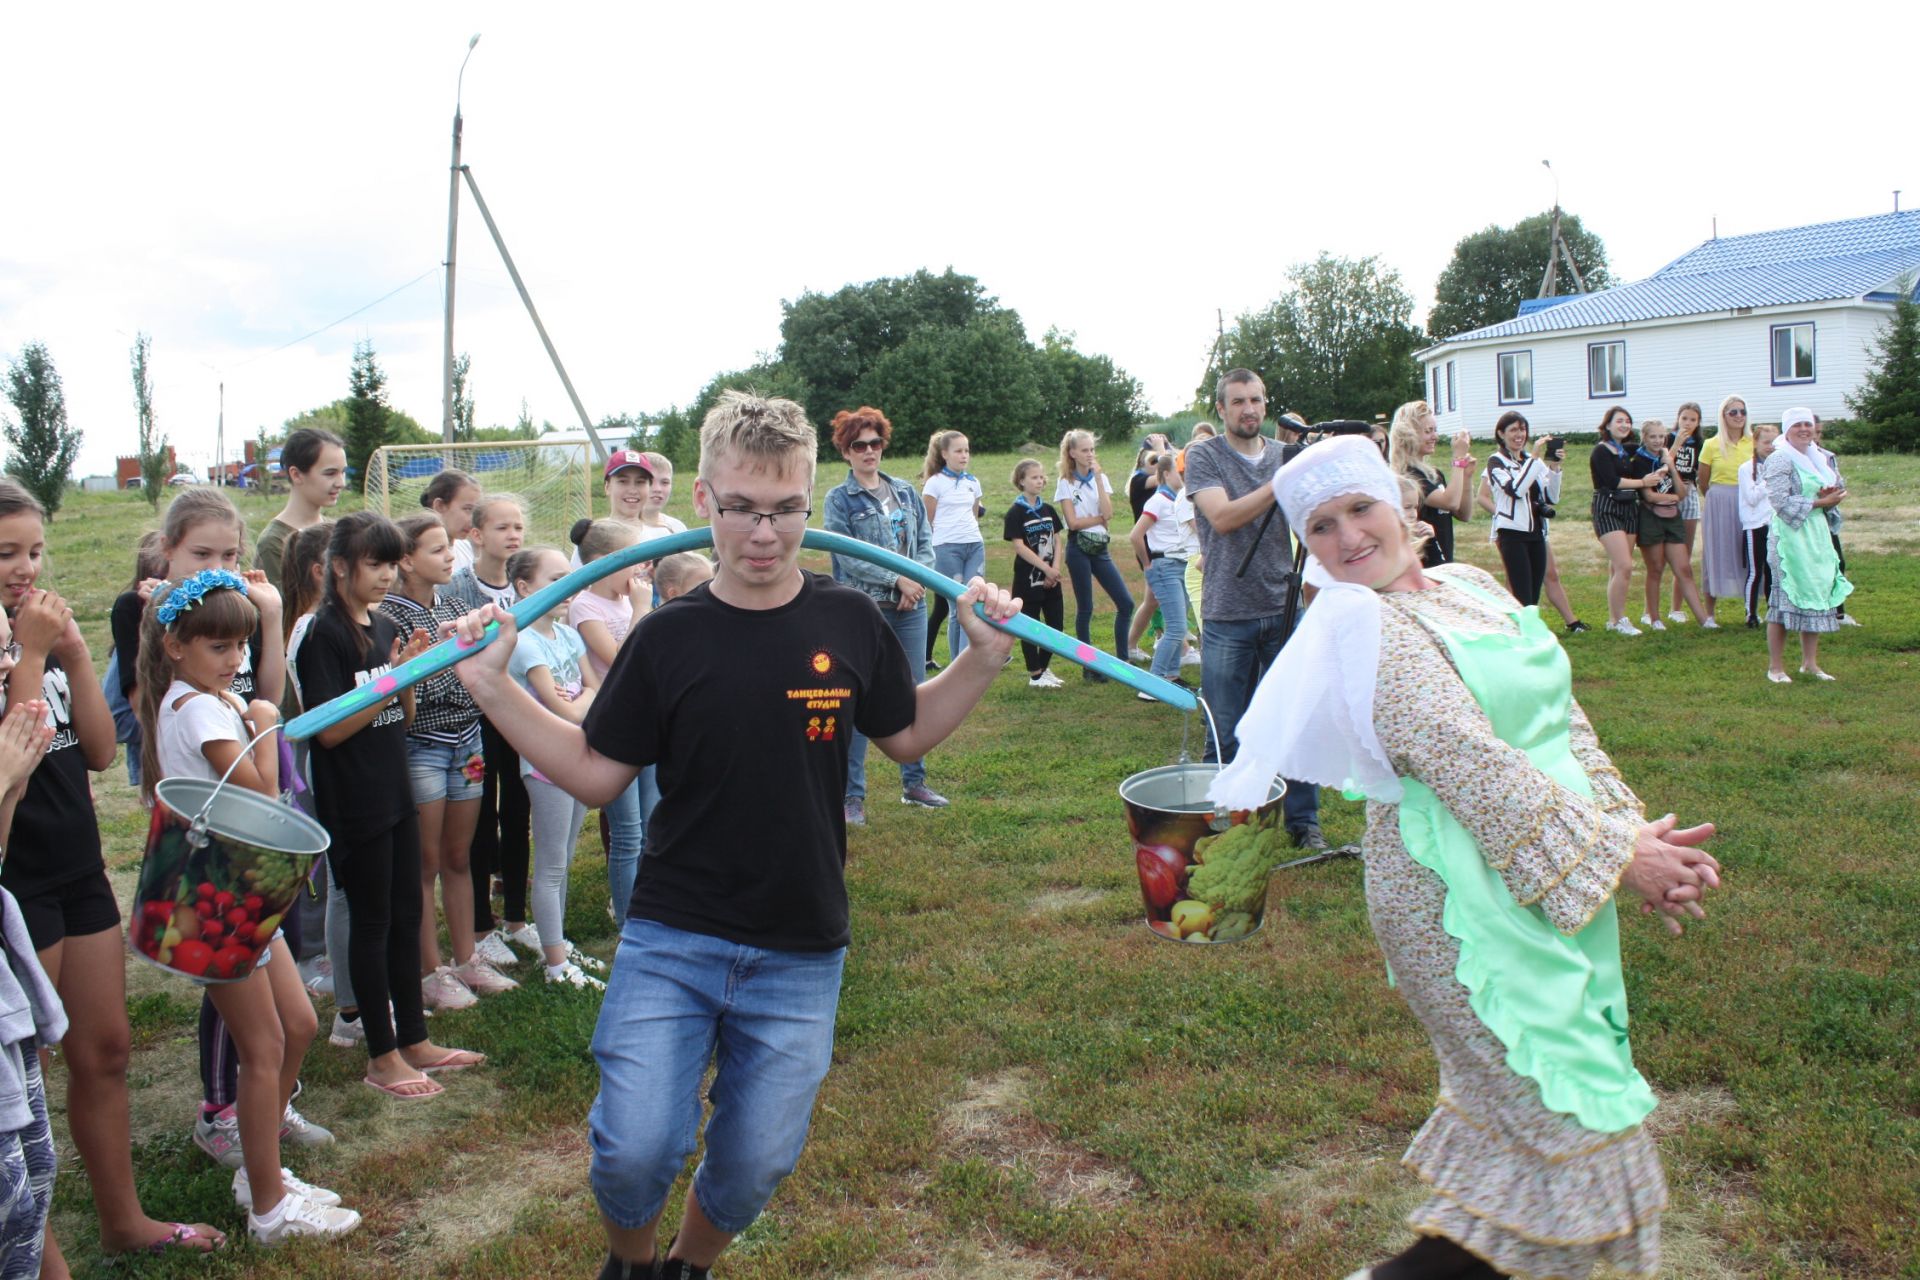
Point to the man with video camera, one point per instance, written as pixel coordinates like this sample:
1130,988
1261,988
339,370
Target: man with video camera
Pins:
1246,545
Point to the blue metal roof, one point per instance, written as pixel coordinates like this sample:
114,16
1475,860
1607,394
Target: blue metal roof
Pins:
1820,263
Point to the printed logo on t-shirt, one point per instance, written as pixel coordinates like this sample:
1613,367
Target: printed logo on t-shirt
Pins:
393,712
58,695
820,697
819,730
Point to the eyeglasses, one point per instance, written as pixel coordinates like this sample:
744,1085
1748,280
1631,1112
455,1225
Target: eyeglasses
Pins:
1736,413
875,443
12,652
746,520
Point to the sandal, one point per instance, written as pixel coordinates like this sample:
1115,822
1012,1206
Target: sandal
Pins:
453,1060
178,1233
407,1090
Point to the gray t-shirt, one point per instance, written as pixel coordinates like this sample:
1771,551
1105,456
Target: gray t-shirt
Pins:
1262,592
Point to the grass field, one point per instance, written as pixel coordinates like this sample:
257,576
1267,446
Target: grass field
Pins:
1029,1083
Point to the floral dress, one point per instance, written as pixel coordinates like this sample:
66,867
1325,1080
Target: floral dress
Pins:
1529,1188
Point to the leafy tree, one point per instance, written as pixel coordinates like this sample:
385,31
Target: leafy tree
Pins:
1083,392
831,340
44,446
462,398
979,378
1888,402
1493,271
368,425
680,439
156,459
1338,343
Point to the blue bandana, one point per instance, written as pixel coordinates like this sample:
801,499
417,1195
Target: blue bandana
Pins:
958,475
194,589
1031,504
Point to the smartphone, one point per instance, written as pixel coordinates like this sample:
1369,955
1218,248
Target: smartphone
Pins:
1556,448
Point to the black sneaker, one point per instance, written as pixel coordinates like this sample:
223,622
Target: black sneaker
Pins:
618,1269
680,1269
1308,838
1091,676
1575,627
932,667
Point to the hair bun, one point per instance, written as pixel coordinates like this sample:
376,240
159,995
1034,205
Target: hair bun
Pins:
578,533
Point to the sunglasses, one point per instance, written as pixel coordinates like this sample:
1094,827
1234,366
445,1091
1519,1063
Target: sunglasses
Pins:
872,443
1736,413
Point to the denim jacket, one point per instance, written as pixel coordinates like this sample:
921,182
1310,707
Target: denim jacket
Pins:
853,512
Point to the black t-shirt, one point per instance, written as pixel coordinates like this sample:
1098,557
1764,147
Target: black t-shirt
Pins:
55,836
1440,550
128,609
361,787
1608,469
1686,459
1038,529
747,713
1139,489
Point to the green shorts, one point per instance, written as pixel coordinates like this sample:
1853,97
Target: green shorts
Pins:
1656,529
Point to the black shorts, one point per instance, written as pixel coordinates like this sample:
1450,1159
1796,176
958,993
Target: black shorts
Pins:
1611,515
69,909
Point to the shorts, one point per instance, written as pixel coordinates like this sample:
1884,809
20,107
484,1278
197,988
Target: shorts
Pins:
1613,516
70,909
1657,529
439,772
1690,505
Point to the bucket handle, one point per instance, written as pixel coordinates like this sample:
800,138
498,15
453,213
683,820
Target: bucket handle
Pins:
197,827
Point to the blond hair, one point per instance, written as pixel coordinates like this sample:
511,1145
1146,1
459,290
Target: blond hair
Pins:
1403,440
671,576
1021,468
755,430
936,460
1071,441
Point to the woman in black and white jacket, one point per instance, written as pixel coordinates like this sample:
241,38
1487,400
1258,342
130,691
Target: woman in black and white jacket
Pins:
1519,491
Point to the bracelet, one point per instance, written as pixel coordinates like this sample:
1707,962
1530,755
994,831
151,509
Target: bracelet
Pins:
1463,462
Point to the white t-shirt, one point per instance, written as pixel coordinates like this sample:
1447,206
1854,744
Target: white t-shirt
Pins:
202,718
462,554
954,522
1171,533
1084,496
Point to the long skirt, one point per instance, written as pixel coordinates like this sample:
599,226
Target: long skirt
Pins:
1723,569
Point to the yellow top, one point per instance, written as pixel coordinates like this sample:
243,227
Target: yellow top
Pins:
1714,453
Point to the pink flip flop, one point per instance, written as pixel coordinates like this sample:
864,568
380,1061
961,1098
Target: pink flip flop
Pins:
455,1060
400,1090
178,1233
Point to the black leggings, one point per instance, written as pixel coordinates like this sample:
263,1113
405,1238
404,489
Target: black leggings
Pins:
1043,604
1525,556
1434,1258
1840,610
380,874
500,841
937,616
1759,573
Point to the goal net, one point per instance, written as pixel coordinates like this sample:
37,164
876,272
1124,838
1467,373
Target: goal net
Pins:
554,479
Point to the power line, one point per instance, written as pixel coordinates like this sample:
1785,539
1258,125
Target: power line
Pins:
433,270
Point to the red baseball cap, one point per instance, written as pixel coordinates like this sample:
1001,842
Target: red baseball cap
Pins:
621,459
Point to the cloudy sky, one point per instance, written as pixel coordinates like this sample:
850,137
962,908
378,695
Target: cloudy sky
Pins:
230,179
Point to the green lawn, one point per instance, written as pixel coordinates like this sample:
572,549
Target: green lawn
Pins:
1030,1083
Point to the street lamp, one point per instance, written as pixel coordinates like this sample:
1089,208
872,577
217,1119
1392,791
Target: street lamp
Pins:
453,225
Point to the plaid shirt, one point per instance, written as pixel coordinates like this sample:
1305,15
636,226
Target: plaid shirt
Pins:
443,710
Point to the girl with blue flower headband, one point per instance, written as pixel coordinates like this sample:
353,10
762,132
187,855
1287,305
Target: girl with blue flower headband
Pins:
193,642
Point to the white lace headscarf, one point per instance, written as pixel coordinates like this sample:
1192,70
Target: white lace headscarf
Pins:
1311,719
1809,460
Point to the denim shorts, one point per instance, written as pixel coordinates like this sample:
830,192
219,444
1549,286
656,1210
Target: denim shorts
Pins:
439,771
675,1002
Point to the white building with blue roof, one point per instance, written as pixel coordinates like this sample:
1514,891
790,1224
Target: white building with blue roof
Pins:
1782,318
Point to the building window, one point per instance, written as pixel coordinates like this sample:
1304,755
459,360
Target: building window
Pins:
1450,400
1792,353
1606,370
1516,377
1436,401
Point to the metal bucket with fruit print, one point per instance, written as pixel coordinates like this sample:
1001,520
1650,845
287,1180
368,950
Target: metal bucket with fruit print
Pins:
215,886
1203,875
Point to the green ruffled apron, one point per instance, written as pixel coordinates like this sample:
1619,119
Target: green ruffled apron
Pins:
1557,1003
1810,574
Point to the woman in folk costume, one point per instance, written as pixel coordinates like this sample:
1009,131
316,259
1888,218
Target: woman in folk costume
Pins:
1808,586
1497,832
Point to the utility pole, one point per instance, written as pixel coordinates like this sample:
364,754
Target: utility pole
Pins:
220,439
1557,250
453,227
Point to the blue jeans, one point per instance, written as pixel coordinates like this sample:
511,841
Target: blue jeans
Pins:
1232,661
675,1002
627,836
910,626
1167,578
960,561
1083,569
439,771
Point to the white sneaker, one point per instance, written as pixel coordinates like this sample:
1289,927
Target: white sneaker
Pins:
1138,654
574,975
317,975
1848,620
1653,623
494,950
1678,615
1623,627
1190,657
297,1216
441,990
1051,680
482,978
1041,682
346,1034
576,956
243,1190
1710,625
527,936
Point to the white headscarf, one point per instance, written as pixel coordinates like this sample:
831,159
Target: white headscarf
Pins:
1311,719
1808,460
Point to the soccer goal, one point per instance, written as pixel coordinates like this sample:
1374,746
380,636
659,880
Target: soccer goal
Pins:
555,479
